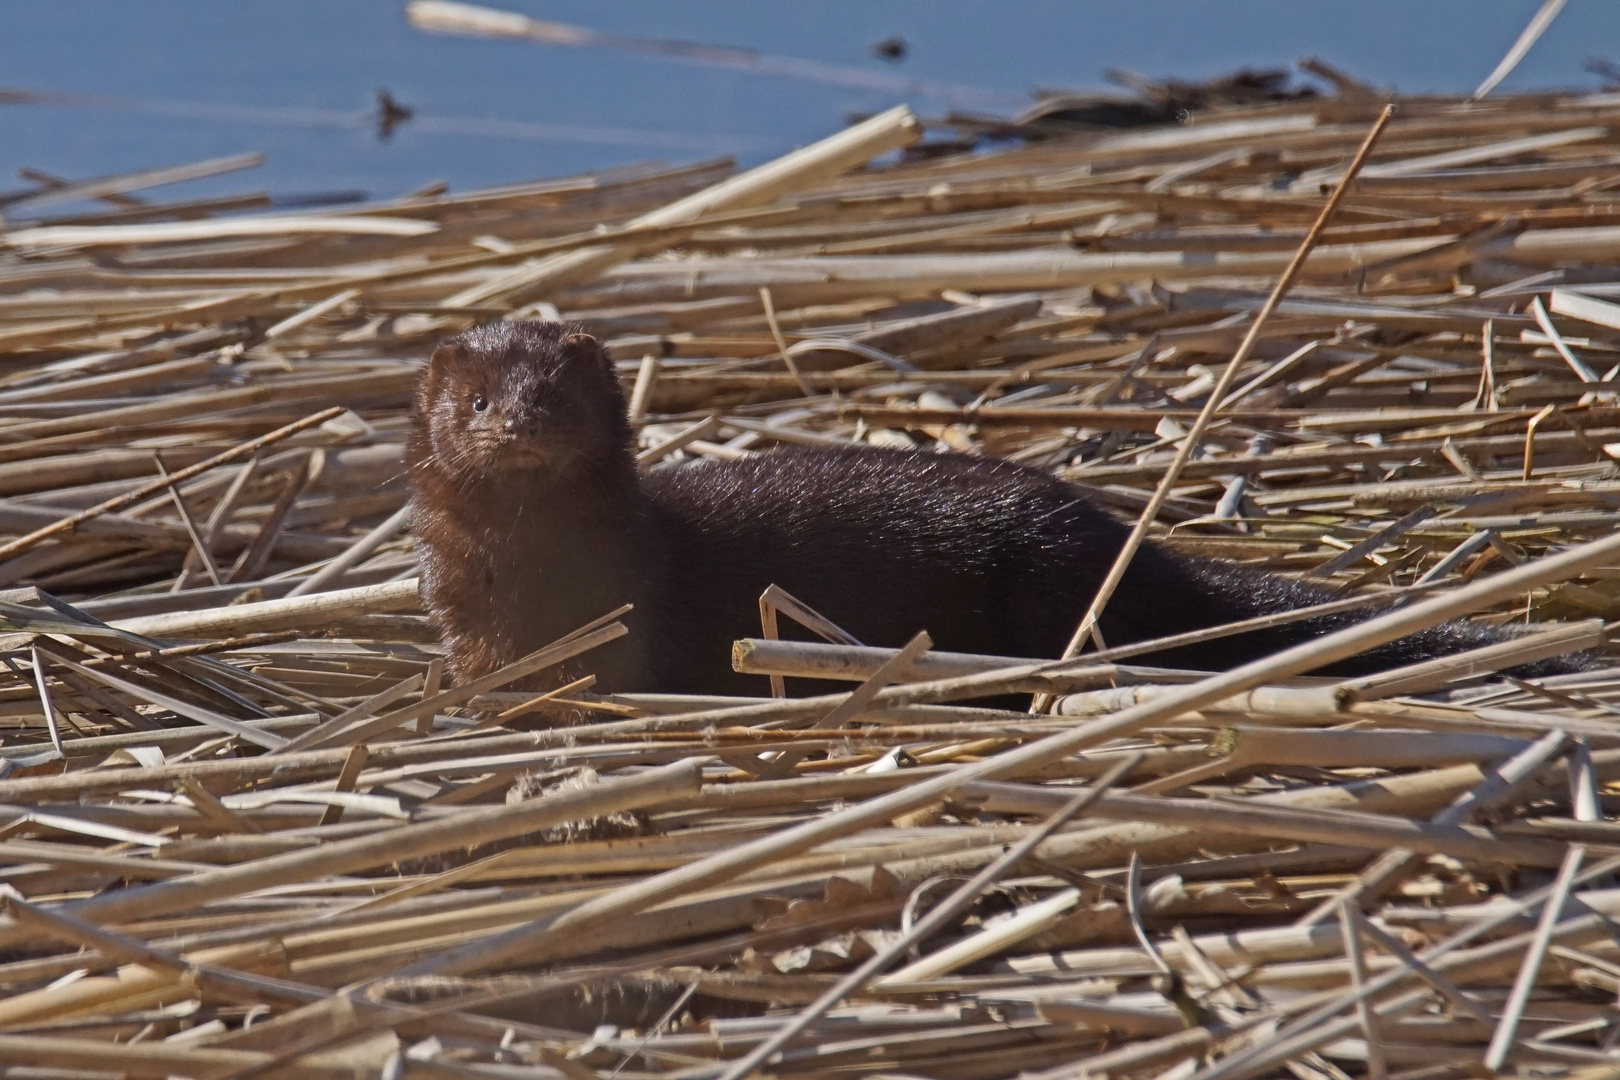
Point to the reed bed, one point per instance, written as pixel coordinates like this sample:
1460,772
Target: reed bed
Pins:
250,830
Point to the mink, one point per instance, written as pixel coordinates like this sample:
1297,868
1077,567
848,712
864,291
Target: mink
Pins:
533,519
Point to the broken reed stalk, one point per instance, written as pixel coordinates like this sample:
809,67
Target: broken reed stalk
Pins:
358,552
1319,1018
236,453
665,784
1088,627
781,342
264,616
948,910
808,659
1507,1025
1506,779
836,154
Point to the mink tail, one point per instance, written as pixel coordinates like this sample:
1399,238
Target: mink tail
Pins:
1243,592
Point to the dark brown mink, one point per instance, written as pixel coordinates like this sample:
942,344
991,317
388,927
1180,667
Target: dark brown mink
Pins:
534,519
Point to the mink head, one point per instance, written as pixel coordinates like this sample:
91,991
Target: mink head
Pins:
539,397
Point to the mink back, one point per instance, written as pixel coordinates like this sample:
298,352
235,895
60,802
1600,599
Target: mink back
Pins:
986,555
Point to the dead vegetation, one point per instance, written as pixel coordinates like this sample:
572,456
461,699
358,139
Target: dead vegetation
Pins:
250,832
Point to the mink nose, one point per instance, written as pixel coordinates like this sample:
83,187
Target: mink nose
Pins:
518,425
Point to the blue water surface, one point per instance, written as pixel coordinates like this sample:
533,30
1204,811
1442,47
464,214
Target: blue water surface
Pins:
179,80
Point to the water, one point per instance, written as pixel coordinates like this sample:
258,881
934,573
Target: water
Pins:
181,80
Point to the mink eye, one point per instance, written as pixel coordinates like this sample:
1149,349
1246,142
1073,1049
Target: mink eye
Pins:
480,403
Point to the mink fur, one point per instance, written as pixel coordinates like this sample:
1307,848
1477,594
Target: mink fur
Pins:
533,519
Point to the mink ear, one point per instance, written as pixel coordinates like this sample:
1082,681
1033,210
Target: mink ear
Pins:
439,363
582,344
584,348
